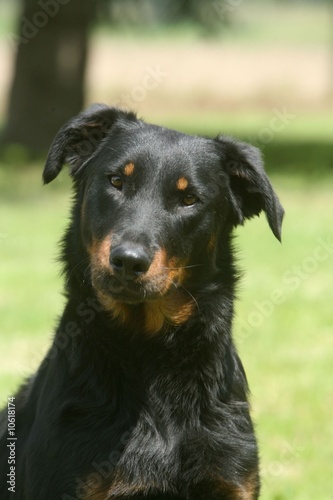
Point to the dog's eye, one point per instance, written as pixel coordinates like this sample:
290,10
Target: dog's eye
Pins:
116,181
190,199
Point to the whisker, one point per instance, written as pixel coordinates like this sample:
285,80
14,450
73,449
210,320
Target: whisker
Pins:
189,293
82,262
112,149
182,267
193,298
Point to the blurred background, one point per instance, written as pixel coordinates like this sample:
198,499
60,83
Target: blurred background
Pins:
258,70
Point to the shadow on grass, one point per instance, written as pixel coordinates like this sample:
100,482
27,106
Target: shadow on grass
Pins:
301,158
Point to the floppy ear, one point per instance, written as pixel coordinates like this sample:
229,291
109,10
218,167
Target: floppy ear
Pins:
250,190
80,137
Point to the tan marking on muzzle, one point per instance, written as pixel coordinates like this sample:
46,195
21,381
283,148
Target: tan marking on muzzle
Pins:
99,252
157,265
177,270
165,271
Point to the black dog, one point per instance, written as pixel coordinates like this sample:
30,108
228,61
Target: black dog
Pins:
142,394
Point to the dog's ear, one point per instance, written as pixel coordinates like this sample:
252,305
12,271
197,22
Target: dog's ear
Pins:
80,137
250,190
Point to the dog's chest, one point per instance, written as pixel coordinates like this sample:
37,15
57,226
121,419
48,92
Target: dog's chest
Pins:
146,459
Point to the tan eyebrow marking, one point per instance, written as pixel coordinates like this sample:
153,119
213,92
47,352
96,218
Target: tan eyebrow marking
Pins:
129,169
182,183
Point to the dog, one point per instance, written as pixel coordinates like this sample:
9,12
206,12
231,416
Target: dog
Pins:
142,394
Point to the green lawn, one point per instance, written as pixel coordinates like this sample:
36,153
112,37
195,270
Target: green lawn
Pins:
284,333
284,324
284,315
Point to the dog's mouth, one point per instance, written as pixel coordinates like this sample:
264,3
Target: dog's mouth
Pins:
150,297
124,292
142,289
151,305
131,291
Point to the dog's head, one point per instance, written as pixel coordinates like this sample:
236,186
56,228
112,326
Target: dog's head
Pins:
154,206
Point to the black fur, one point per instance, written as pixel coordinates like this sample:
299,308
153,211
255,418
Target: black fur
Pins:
142,394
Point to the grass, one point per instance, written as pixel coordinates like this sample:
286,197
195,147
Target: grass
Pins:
284,312
31,223
287,346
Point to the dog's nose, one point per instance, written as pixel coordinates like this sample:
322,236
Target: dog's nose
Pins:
130,261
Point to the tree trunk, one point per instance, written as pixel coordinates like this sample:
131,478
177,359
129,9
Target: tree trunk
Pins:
48,85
